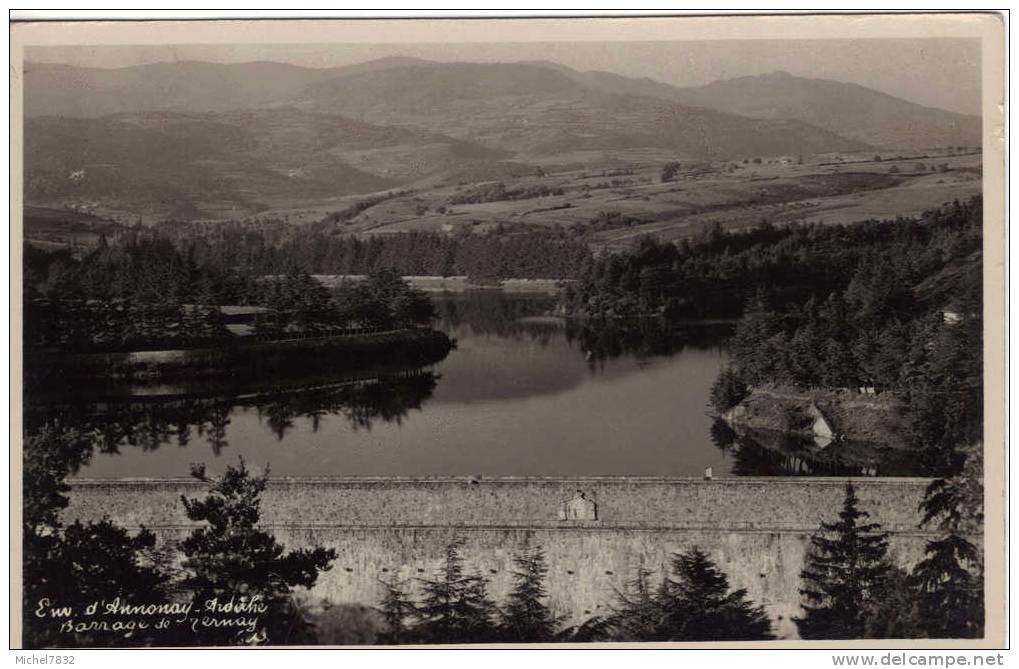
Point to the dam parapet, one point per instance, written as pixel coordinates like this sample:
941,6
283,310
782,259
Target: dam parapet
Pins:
756,529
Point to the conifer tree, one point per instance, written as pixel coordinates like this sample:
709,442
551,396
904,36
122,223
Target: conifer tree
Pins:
846,569
750,343
203,320
698,605
639,614
950,577
397,612
79,563
896,614
526,617
229,558
595,628
456,607
951,589
694,603
728,390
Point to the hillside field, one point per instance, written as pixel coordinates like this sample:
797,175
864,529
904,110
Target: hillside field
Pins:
614,205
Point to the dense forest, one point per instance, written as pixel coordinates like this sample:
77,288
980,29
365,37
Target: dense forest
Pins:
271,247
892,306
497,192
715,273
143,292
906,320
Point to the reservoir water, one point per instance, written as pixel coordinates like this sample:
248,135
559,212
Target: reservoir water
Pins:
522,394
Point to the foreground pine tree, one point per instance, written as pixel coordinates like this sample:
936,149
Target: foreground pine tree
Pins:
693,604
229,558
951,588
398,612
699,606
639,611
897,614
846,570
455,607
526,617
950,577
79,563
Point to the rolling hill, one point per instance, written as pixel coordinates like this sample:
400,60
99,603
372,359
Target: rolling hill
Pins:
447,97
531,108
849,110
181,86
177,164
522,108
196,139
184,86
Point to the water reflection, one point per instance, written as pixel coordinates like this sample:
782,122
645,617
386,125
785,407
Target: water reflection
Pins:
601,340
493,313
524,393
530,317
766,453
512,347
150,423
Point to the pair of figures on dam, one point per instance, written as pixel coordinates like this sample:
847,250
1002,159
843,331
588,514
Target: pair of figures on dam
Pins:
579,507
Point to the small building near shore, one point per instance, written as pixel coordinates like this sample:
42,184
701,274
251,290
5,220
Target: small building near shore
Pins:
951,317
821,425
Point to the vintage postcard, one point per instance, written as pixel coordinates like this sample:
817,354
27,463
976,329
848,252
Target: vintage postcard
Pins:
666,330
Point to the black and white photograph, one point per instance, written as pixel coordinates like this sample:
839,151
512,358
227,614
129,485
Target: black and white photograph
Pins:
680,330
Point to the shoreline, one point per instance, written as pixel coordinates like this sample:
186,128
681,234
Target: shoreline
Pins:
456,283
240,358
831,416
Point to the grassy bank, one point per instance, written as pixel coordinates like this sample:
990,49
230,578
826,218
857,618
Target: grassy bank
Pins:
871,418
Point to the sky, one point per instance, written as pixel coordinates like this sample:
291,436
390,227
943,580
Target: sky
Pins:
941,72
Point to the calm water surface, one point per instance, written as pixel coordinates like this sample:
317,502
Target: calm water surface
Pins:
523,394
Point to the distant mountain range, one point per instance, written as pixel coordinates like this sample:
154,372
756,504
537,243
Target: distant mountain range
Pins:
246,131
535,109
849,110
245,157
400,87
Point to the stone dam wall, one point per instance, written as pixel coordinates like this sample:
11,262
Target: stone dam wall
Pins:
756,529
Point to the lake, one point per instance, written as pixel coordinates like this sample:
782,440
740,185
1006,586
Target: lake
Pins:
522,394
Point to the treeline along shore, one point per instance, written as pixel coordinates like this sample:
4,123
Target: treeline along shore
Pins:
886,308
273,246
249,357
142,308
867,331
